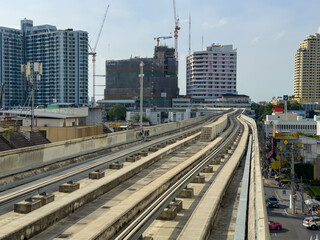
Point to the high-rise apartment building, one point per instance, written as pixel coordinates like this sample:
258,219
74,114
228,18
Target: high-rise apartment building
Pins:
64,57
307,70
212,72
11,58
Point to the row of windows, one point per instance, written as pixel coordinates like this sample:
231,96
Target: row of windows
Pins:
296,127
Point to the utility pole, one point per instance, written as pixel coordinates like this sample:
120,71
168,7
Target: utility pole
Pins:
293,191
302,196
33,73
141,93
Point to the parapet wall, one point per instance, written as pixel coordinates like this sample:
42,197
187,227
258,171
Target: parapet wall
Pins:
36,156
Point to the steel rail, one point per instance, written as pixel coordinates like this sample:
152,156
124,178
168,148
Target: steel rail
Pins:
139,225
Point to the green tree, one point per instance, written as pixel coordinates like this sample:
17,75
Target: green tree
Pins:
304,170
136,118
117,112
292,105
262,111
311,113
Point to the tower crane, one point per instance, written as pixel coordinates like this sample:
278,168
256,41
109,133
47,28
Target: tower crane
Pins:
176,29
92,51
158,39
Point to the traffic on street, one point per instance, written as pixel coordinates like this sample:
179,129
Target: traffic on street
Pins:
282,223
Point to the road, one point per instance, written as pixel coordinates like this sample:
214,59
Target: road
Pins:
291,224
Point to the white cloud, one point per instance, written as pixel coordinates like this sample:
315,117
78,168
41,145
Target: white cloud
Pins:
319,29
220,23
280,35
255,40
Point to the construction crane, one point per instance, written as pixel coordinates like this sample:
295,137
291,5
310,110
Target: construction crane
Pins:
158,39
94,54
176,29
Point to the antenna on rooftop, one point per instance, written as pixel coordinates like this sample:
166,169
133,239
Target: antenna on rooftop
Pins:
189,34
202,42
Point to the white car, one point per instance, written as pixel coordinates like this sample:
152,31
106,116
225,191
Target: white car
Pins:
311,222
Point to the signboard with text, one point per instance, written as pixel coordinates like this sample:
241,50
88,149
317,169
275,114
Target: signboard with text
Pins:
285,135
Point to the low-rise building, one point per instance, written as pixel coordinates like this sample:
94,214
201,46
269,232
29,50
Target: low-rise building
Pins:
289,122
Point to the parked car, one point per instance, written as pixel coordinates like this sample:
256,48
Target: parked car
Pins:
311,222
274,225
272,202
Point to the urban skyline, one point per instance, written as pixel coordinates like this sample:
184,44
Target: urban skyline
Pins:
267,34
64,58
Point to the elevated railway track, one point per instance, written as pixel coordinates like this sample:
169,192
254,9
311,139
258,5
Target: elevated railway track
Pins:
147,179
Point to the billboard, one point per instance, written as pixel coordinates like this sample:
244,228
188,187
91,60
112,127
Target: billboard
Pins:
285,135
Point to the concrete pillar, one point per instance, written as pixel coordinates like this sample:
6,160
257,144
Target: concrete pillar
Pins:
147,238
44,198
215,162
153,149
116,165
168,213
69,187
177,204
144,153
186,193
27,206
131,159
198,179
96,175
208,169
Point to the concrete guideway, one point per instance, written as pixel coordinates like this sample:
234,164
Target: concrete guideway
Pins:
77,199
105,227
200,223
257,215
45,216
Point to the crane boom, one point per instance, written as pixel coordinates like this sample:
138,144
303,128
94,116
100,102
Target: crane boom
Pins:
158,39
104,18
176,29
94,53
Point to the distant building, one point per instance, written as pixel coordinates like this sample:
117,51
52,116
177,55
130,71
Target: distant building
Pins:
181,102
11,58
64,55
307,74
160,81
212,72
289,123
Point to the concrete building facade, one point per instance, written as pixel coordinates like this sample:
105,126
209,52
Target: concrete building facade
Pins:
307,70
160,81
212,72
64,57
11,58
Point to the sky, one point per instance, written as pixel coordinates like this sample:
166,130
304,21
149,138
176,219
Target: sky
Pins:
266,33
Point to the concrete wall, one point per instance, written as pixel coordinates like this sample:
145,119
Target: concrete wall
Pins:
57,134
24,158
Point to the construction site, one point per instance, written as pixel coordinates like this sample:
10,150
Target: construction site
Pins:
160,83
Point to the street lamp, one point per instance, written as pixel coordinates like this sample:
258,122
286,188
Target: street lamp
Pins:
141,75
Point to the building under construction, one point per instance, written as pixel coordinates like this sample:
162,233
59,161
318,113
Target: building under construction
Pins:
160,83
